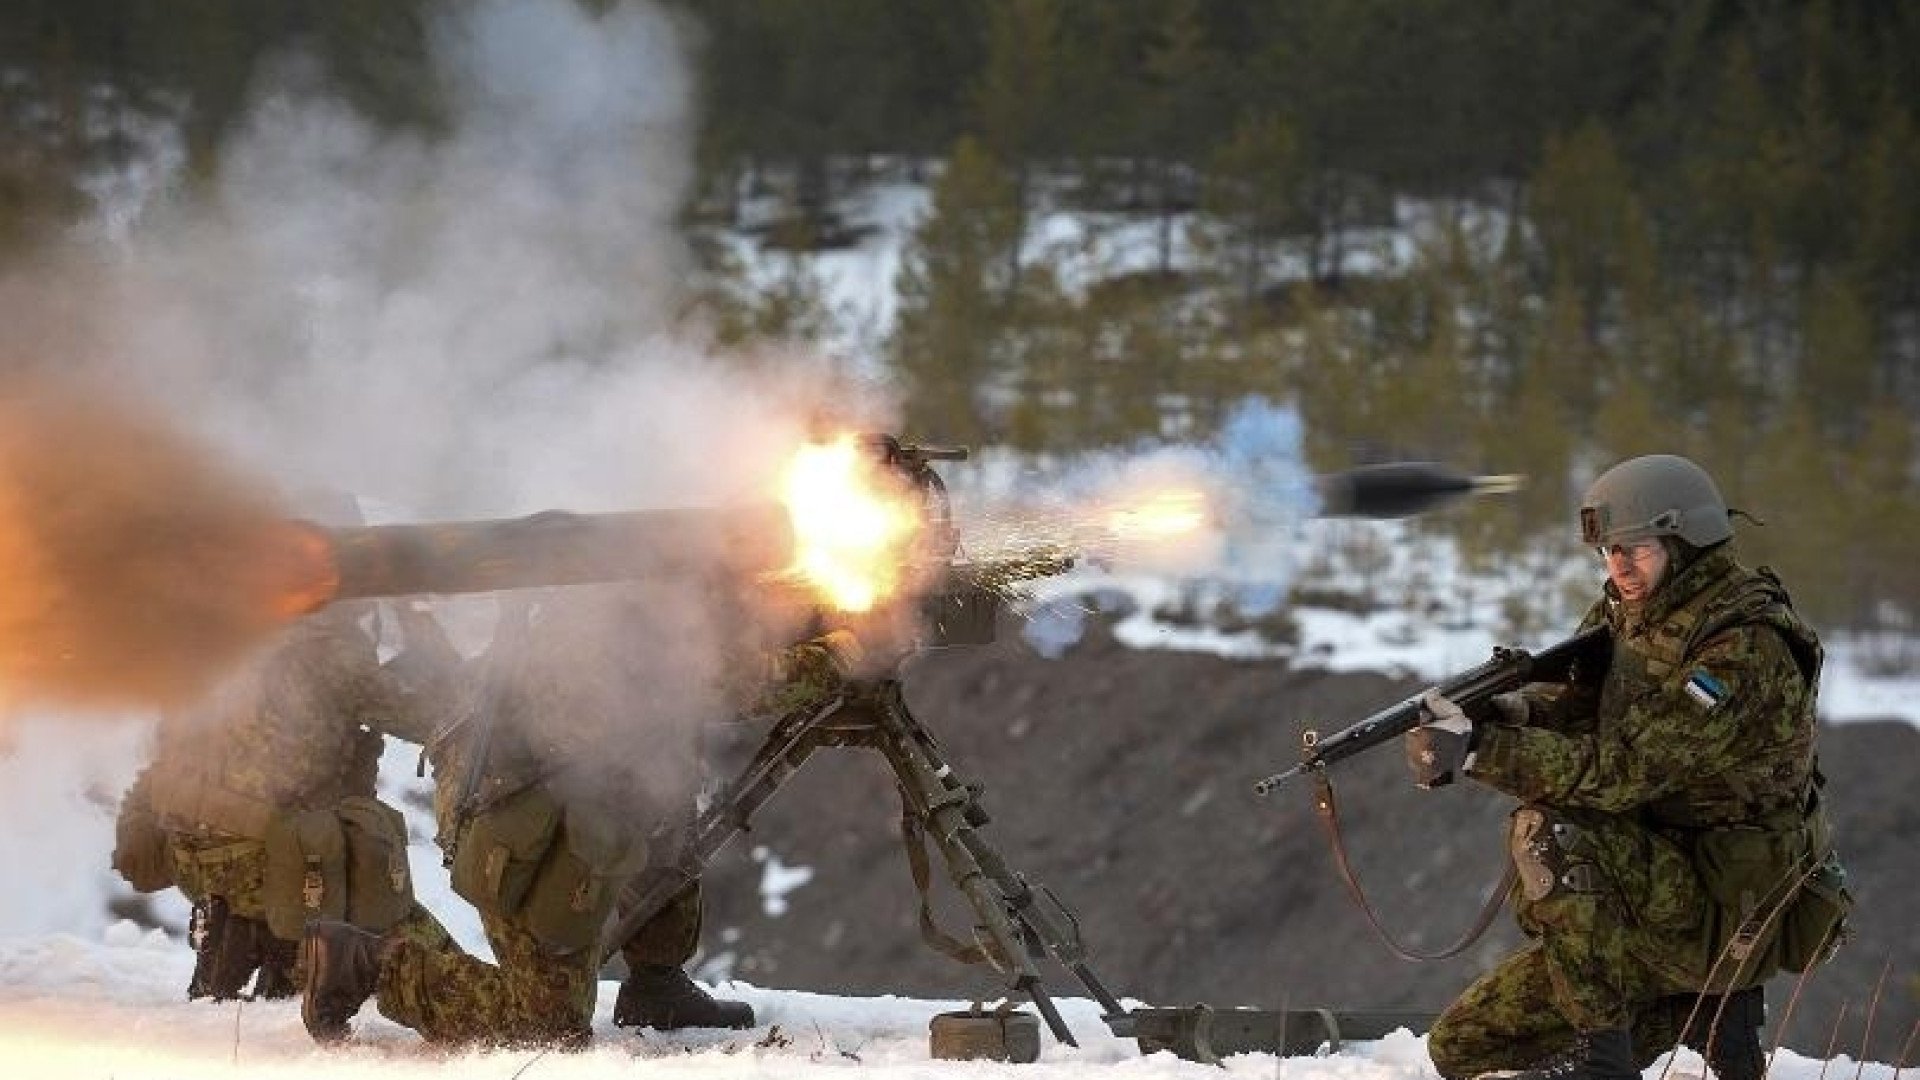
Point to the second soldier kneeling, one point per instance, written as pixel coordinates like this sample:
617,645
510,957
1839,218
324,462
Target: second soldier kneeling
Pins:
578,753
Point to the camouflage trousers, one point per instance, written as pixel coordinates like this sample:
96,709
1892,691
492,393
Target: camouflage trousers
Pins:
529,996
1588,969
670,938
230,869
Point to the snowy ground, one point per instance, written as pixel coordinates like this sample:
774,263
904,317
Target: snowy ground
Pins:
113,1008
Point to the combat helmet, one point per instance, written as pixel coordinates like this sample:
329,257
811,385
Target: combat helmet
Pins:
1652,496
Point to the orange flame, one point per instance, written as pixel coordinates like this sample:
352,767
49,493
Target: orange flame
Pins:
853,531
309,576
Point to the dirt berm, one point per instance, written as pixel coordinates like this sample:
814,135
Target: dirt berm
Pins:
1121,779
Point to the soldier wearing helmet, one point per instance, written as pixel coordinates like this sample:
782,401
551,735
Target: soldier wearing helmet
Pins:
571,763
1669,838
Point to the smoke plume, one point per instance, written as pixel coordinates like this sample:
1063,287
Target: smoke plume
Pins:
480,321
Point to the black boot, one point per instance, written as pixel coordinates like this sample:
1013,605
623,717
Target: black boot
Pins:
342,966
278,960
224,953
1594,1055
1732,1047
663,998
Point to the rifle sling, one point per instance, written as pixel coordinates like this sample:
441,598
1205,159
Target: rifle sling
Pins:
1329,815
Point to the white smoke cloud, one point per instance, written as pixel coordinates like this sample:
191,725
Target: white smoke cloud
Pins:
481,321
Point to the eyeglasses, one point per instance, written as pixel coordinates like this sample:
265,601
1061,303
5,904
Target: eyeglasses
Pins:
1640,551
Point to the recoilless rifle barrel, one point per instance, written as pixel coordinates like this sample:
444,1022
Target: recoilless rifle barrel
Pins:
556,547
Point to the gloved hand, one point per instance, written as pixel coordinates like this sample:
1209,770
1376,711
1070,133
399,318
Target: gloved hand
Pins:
1437,750
1511,708
814,669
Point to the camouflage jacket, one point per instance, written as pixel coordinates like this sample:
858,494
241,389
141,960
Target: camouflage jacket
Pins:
297,729
1705,716
604,696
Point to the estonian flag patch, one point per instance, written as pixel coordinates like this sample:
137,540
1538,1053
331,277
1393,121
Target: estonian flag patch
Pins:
1705,689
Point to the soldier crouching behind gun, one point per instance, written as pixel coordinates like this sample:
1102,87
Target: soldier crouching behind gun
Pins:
1670,847
578,756
259,805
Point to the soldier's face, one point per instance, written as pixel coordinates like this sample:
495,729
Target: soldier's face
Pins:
1636,568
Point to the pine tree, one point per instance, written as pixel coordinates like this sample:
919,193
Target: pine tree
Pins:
1839,357
1252,204
1795,490
1628,422
1583,209
1883,516
1886,256
1182,74
1014,100
953,300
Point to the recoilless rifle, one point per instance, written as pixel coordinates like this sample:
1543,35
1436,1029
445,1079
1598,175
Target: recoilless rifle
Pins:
955,600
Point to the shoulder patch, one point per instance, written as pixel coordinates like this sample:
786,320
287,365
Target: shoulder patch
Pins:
1705,689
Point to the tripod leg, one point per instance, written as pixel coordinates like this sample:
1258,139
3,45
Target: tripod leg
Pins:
1048,1011
642,897
1011,912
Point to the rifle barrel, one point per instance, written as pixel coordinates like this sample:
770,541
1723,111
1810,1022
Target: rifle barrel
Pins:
1266,786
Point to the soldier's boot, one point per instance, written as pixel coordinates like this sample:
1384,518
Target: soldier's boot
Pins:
341,965
226,951
278,960
1594,1055
665,999
1732,1048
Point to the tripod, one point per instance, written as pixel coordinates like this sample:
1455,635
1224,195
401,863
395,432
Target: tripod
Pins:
1018,923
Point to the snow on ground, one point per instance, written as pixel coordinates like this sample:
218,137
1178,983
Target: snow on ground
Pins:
84,995
113,1008
1459,621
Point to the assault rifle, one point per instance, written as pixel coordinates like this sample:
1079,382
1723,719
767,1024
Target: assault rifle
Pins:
1578,659
1584,654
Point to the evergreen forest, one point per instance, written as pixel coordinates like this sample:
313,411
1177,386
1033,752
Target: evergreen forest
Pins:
1509,235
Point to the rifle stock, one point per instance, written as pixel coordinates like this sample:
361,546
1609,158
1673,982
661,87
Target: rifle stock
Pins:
1473,690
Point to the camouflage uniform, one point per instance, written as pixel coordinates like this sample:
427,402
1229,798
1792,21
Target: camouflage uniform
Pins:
554,771
295,732
534,993
1700,732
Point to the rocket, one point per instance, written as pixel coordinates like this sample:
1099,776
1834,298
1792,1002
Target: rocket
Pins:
1398,489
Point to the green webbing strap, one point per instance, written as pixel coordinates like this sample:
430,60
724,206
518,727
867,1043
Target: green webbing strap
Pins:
915,839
